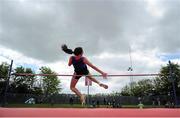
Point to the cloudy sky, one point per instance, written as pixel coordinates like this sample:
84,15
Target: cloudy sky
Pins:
32,31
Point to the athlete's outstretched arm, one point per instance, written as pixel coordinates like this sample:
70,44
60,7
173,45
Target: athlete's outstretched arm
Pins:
94,67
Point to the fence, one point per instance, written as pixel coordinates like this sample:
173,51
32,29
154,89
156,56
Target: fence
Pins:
98,99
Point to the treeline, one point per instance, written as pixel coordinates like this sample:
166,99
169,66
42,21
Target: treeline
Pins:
50,85
160,85
46,85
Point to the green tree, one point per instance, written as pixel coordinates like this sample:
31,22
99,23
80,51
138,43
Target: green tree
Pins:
126,91
140,88
4,70
3,75
163,83
50,83
23,84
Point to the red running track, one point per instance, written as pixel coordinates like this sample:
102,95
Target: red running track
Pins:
87,112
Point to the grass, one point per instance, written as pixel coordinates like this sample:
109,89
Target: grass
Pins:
70,106
44,106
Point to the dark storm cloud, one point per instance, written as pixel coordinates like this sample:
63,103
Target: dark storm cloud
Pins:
165,33
169,28
108,25
36,28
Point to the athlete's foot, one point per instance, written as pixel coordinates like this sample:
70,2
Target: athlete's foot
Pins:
103,85
83,100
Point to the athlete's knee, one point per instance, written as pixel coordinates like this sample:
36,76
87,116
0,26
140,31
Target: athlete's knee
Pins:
72,88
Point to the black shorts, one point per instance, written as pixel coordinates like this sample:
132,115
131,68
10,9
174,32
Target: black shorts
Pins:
84,72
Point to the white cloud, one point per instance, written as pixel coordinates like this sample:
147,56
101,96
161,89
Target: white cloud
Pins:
154,8
19,59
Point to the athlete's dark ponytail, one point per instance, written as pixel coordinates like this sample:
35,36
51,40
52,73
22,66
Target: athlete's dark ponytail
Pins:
76,51
66,49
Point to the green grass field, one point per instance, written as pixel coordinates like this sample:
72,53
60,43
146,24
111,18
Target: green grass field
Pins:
71,106
45,105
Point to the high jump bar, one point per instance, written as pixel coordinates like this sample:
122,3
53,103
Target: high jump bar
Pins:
110,75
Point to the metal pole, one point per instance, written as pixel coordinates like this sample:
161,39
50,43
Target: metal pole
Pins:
7,84
130,69
88,96
173,84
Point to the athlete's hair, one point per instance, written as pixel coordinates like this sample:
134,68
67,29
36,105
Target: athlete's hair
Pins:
77,50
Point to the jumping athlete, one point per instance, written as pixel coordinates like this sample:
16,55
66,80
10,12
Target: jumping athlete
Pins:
80,68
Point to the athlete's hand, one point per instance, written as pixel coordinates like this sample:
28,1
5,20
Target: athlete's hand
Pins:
104,75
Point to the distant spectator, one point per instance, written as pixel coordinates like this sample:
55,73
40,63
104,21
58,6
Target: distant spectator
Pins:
113,103
52,101
97,103
153,101
93,103
71,101
140,105
105,102
158,101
